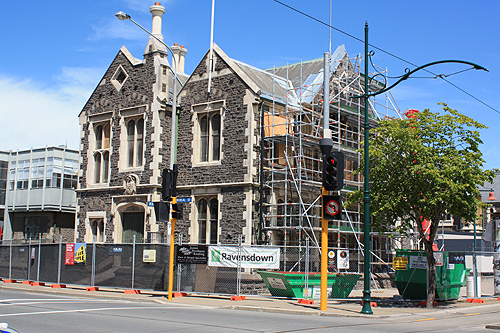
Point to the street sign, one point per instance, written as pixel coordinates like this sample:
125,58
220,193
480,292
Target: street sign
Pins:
332,207
183,199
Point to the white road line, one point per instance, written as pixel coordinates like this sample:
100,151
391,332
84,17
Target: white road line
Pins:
47,302
88,310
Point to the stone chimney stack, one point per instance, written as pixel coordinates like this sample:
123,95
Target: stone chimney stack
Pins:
180,56
153,45
157,10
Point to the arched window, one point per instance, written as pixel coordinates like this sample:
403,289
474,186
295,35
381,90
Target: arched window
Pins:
204,142
135,142
210,137
208,221
215,137
102,152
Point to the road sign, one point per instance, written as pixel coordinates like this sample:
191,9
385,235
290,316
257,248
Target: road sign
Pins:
151,204
183,199
332,207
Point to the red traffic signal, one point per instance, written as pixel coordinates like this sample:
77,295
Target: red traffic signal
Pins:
333,171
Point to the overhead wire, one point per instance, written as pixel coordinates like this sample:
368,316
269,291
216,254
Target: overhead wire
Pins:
435,76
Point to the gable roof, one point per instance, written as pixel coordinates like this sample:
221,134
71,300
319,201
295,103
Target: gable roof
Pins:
262,83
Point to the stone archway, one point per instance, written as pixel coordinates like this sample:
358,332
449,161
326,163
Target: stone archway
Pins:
132,222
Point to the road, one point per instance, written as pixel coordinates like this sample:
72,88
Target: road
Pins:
31,312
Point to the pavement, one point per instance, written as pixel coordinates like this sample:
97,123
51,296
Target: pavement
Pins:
387,303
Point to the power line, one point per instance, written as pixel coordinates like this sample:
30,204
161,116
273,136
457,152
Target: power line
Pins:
390,54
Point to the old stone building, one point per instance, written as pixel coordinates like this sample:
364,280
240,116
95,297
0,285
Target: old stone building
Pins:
125,142
247,149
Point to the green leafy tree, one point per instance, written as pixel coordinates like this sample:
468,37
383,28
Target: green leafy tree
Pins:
424,167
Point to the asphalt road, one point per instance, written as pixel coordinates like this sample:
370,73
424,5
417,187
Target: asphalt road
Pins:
31,312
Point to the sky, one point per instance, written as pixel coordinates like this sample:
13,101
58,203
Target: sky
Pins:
53,54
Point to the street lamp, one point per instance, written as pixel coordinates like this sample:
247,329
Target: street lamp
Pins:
173,145
366,197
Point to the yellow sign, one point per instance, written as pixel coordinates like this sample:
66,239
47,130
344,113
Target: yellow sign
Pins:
400,263
80,256
149,256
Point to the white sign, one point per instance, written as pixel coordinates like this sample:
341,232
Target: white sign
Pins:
418,262
342,259
249,257
276,283
315,291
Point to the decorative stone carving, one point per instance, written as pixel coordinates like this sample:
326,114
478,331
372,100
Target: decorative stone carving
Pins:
130,184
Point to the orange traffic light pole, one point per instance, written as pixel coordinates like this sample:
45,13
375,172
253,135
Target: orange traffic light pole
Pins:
324,257
171,259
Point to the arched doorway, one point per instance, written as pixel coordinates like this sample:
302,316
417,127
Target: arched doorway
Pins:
132,218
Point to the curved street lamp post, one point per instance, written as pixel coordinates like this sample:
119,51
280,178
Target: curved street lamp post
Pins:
366,197
173,145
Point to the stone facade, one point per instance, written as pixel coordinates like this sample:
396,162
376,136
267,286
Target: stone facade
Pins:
142,94
235,177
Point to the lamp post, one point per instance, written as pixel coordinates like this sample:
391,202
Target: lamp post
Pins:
173,146
366,197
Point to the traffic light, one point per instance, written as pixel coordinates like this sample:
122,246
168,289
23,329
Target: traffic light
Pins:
177,211
333,171
169,183
162,210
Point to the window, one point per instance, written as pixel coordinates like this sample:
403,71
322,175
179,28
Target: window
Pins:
210,137
101,153
119,78
37,172
135,142
208,224
23,172
3,181
97,227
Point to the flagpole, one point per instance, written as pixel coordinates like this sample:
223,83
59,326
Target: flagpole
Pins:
211,59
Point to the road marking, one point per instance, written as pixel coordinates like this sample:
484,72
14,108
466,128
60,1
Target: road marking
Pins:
472,314
426,319
89,310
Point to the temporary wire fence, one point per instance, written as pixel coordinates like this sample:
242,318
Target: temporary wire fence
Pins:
145,266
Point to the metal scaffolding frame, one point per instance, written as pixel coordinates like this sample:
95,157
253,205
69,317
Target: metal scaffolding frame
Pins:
292,163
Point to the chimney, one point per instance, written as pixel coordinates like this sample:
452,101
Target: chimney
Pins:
153,45
180,56
157,10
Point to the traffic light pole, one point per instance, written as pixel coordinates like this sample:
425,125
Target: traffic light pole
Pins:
171,258
324,259
325,144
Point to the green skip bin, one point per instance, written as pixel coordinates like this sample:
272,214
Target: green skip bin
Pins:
411,274
292,284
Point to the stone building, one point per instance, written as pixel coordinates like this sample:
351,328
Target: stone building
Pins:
247,148
125,141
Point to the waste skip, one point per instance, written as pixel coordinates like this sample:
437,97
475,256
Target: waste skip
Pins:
411,274
292,284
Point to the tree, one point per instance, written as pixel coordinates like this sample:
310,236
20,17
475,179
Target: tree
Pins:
422,168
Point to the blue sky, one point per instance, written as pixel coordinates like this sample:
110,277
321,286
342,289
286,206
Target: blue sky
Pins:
54,53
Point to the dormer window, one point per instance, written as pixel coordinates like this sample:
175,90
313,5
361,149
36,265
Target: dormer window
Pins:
119,78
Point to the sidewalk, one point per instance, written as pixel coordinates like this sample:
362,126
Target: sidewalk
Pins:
386,304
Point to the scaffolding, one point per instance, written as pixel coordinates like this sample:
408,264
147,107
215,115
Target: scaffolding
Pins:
291,166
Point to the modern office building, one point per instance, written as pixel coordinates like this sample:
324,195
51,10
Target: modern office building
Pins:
37,194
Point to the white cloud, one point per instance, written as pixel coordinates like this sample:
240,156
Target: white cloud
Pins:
116,29
34,116
77,82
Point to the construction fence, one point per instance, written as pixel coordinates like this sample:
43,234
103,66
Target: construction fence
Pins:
199,268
